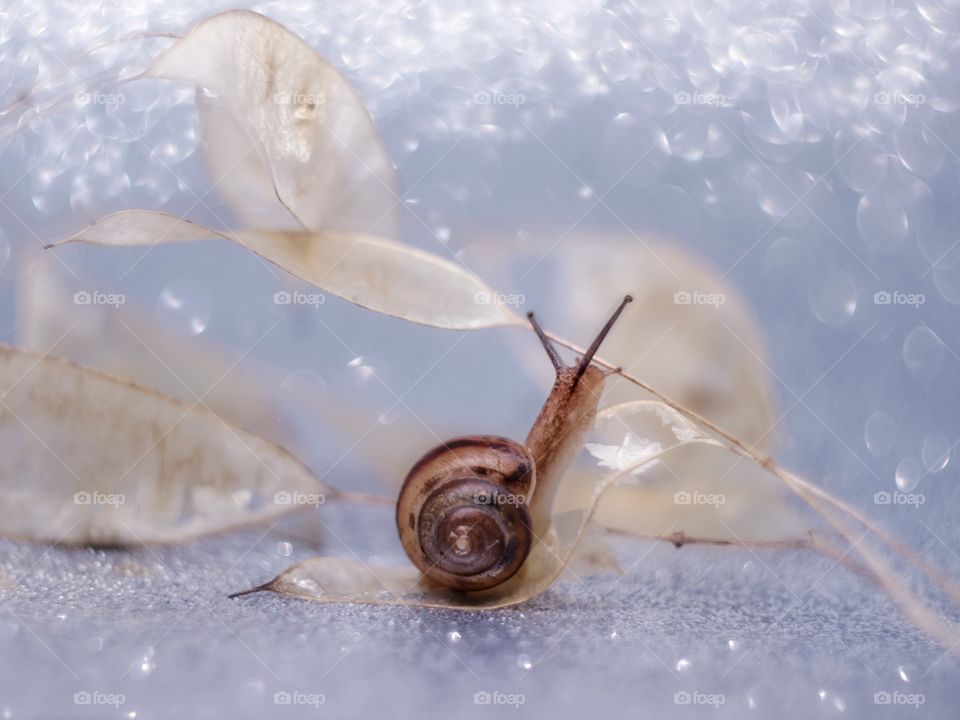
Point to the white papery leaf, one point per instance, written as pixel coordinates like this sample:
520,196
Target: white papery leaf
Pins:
375,273
238,171
702,489
626,454
89,458
300,117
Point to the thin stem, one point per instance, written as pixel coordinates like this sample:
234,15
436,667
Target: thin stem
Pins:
679,539
24,97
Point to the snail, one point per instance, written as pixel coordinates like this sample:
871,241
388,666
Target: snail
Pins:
469,510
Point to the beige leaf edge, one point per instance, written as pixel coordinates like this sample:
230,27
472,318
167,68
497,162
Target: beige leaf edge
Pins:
91,459
373,272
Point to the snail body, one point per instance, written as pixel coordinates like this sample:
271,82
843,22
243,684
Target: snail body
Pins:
470,510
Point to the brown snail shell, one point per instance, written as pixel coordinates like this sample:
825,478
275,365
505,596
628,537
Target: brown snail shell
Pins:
462,512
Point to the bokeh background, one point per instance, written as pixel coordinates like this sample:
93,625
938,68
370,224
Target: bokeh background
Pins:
808,151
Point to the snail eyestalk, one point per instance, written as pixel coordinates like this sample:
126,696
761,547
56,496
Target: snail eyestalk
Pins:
547,344
601,336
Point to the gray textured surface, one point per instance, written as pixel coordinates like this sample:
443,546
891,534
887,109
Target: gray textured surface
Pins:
771,633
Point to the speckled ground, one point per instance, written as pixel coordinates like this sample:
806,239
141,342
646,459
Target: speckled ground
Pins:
767,633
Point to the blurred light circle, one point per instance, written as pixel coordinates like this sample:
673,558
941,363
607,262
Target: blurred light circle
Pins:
908,474
935,452
923,353
185,307
833,298
880,433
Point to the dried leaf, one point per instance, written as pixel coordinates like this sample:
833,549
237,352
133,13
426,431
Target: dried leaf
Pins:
702,490
237,169
688,333
124,341
375,273
89,458
293,113
353,581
